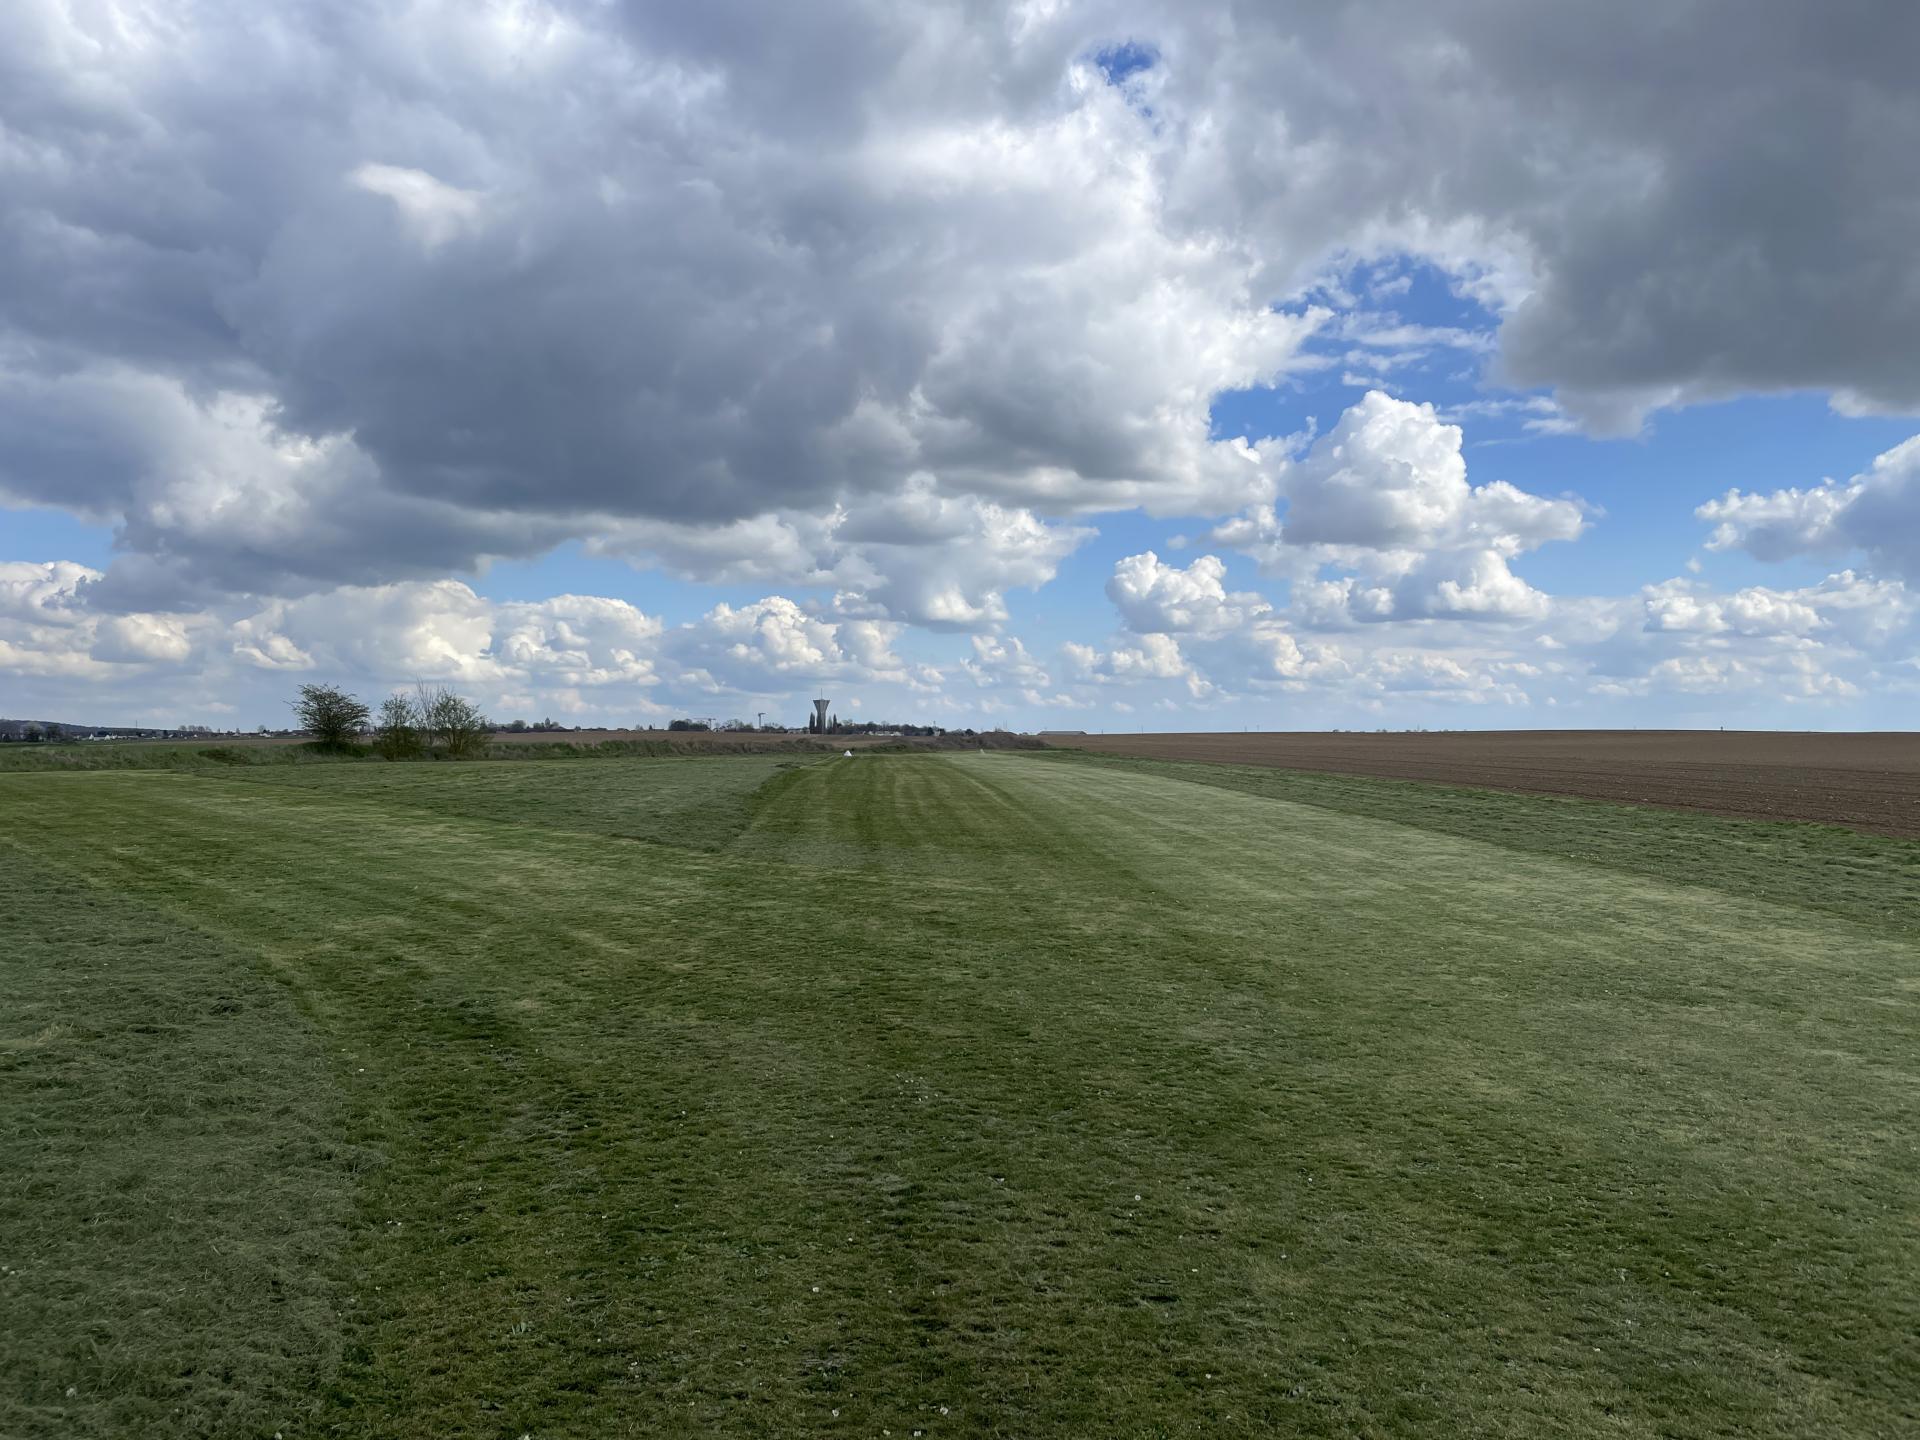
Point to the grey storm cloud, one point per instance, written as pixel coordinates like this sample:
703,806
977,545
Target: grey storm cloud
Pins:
306,295
1678,202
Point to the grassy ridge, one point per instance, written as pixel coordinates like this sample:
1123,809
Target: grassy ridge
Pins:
1004,1095
22,759
213,758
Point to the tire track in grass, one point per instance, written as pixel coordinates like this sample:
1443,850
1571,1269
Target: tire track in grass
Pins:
1069,1095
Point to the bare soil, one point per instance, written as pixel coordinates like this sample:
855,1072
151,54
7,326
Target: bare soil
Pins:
1869,782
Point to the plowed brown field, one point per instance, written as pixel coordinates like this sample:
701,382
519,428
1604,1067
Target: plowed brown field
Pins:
1870,782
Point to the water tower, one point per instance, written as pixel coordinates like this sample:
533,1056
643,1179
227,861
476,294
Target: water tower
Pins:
820,716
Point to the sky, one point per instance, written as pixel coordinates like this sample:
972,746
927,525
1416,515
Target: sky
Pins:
1048,365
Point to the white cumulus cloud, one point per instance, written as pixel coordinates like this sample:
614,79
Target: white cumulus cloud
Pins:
1384,496
1875,514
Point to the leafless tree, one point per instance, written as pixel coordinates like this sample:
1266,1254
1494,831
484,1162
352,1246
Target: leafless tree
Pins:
451,723
397,733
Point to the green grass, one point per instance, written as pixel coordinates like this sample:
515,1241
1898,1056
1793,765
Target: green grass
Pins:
18,758
992,1095
1865,878
176,1191
214,756
697,803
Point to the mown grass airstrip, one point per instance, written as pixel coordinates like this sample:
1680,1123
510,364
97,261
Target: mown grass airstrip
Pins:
975,1094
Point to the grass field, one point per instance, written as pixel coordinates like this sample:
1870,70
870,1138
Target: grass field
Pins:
968,1094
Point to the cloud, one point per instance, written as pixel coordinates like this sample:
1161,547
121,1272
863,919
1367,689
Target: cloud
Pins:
917,556
1838,639
48,630
215,497
1682,639
578,654
1185,625
769,642
39,593
865,312
323,314
772,648
1793,677
1679,606
1681,642
433,211
1153,657
138,639
1384,495
1003,661
1155,598
947,563
1876,514
596,266
1391,476
1636,245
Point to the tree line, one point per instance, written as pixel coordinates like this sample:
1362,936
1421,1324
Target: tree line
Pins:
35,734
437,722
431,722
836,727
